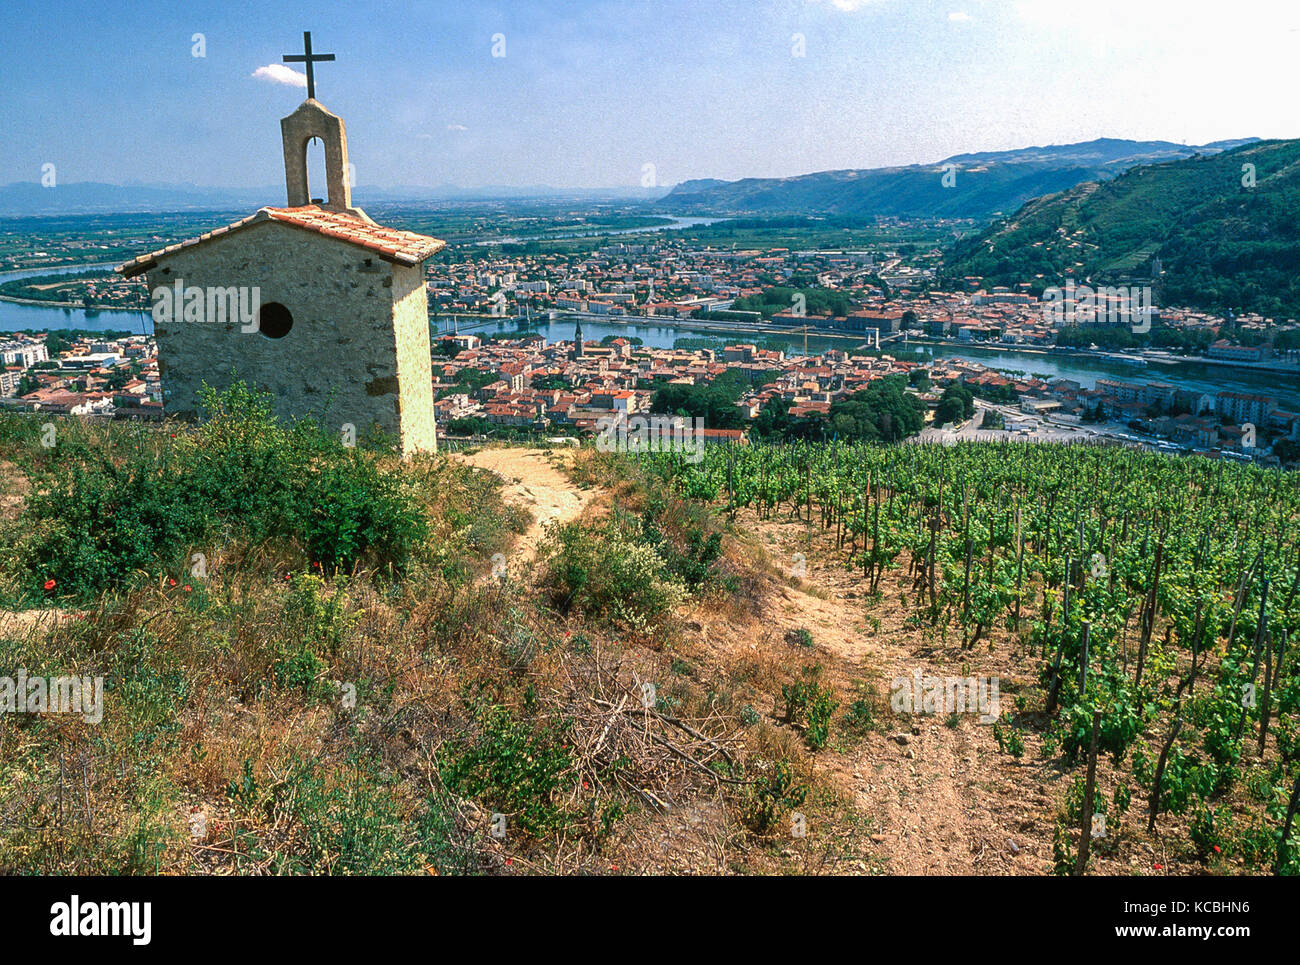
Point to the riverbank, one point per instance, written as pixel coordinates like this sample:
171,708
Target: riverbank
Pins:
1147,358
74,306
1277,368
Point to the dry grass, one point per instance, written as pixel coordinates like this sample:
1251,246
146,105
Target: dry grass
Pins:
230,742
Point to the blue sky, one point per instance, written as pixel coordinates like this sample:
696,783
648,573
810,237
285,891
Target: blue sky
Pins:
588,93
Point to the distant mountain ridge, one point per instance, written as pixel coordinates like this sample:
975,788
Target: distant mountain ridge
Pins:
981,185
1225,228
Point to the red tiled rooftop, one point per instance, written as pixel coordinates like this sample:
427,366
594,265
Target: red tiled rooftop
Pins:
404,247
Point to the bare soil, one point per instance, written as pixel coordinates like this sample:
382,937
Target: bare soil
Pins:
937,795
535,480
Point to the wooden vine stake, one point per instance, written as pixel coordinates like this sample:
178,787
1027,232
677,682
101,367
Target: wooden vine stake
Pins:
1089,786
1083,660
1020,565
1154,809
1286,828
1261,629
1268,695
1148,620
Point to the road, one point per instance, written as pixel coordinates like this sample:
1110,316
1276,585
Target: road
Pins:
1040,429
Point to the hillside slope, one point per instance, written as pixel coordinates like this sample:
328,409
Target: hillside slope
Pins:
316,659
1221,244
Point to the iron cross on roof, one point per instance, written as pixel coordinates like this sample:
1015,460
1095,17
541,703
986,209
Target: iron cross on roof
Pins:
308,58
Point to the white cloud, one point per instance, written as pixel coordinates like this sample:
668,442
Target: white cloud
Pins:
280,74
959,16
457,127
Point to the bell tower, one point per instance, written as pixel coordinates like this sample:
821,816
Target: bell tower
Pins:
310,121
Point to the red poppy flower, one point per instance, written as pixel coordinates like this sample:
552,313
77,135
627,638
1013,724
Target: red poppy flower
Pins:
49,584
1216,849
188,588
170,581
1158,867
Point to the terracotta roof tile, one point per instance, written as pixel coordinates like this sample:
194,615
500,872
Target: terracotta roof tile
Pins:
405,247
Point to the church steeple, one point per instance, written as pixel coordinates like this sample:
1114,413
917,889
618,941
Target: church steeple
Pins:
577,341
311,121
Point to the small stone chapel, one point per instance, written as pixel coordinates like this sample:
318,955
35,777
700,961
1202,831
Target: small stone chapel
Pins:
341,330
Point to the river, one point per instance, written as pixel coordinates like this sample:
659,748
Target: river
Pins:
662,334
1086,371
15,317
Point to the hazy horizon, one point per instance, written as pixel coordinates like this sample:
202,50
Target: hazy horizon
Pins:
628,190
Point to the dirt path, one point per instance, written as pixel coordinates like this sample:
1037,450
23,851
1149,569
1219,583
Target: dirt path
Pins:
942,798
535,480
21,622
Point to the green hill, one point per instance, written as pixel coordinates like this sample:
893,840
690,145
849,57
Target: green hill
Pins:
1221,243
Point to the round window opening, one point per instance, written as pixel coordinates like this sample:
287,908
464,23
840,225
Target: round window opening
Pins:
274,320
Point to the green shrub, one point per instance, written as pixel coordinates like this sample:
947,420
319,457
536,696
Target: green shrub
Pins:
812,703
799,638
99,513
1008,737
861,716
512,767
602,569
352,508
1121,722
300,669
693,565
321,621
1211,830
90,528
770,797
314,627
343,822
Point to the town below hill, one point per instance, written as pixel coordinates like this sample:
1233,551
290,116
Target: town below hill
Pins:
778,335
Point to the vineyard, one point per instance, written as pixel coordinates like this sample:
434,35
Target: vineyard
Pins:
1151,599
